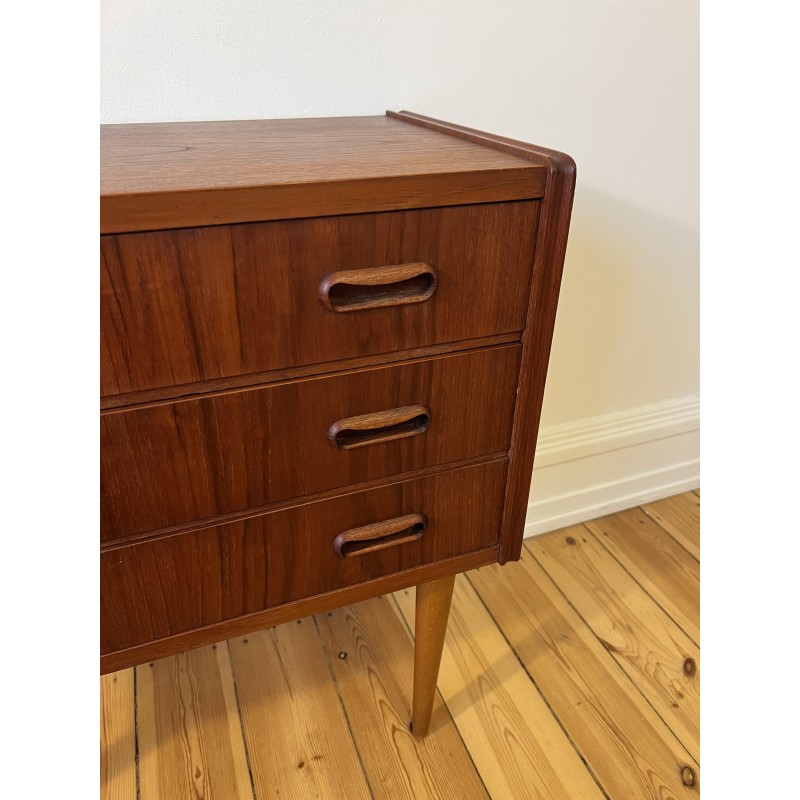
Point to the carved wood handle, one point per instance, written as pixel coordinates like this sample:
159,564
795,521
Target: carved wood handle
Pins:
376,287
381,426
380,535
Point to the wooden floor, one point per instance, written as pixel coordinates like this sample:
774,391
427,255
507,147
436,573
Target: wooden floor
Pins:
571,674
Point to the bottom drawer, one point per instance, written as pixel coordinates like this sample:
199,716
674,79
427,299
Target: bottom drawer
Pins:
158,588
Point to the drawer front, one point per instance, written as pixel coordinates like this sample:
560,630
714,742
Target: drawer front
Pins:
174,463
198,304
158,588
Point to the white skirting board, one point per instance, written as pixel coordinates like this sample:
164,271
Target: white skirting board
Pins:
591,467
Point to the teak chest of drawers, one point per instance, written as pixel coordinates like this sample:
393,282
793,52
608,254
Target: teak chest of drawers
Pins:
323,352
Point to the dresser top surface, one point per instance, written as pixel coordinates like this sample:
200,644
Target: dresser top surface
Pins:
185,156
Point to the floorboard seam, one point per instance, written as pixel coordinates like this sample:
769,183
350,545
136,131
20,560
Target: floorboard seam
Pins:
241,720
136,732
343,707
614,660
444,702
638,583
659,594
538,689
677,542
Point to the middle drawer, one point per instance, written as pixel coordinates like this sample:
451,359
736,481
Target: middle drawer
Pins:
172,463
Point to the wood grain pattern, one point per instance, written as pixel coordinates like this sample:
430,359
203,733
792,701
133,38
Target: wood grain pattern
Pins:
625,744
117,737
378,535
371,654
432,610
219,237
198,637
551,244
379,426
377,287
343,365
161,587
679,516
208,303
654,652
515,741
167,464
664,569
169,175
296,731
190,737
292,502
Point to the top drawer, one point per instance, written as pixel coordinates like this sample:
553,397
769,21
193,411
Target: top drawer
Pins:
196,304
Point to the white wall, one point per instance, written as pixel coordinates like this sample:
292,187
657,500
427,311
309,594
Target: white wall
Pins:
612,82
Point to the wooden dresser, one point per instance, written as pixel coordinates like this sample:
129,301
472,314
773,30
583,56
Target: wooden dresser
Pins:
323,353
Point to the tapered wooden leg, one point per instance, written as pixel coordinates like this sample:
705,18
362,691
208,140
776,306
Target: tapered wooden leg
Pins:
433,608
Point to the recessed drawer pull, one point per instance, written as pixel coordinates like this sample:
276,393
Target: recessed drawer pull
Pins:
394,285
381,426
380,535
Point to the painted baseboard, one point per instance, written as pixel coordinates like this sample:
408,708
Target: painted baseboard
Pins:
595,466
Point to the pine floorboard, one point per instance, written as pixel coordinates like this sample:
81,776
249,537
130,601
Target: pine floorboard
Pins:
117,736
651,649
680,517
663,568
282,674
573,673
371,653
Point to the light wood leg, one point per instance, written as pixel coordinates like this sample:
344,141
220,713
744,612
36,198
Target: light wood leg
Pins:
433,609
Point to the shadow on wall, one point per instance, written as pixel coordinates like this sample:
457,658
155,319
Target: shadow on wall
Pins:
627,330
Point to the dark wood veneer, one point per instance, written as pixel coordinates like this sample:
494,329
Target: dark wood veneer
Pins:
173,175
159,648
324,346
342,366
205,303
172,463
551,246
292,502
166,586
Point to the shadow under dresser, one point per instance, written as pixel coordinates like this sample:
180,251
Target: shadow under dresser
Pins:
324,345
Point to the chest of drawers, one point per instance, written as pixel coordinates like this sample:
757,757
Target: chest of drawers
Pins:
323,352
